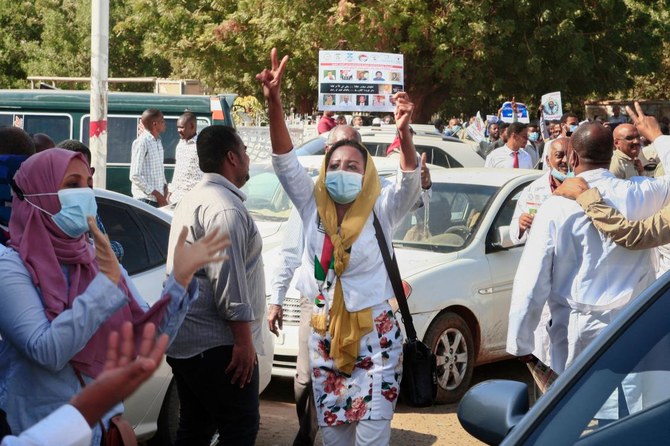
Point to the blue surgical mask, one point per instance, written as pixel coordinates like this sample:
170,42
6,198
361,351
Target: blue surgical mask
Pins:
560,176
533,136
455,129
75,206
343,187
573,127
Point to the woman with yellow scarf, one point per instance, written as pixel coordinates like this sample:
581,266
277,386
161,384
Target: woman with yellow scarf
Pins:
356,342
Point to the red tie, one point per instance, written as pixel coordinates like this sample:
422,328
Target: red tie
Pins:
516,159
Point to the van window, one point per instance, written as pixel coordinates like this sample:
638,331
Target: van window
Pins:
122,131
58,127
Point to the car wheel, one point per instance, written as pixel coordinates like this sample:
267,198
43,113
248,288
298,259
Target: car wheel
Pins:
168,419
450,339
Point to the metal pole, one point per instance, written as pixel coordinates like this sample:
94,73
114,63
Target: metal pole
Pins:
99,73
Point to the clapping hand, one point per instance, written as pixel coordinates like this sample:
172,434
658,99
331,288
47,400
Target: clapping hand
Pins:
189,258
271,79
104,255
123,373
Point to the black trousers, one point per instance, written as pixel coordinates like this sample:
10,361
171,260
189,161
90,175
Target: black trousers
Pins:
209,401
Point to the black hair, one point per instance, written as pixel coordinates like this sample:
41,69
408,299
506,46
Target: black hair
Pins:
213,144
593,143
348,142
567,115
76,146
15,141
515,128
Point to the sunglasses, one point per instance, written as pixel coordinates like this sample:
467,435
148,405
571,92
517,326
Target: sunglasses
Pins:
629,138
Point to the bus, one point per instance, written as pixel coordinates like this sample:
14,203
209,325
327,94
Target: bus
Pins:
65,114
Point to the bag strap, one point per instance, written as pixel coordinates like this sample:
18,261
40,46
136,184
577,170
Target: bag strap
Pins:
396,281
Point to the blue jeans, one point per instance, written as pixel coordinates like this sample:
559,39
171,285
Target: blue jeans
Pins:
209,401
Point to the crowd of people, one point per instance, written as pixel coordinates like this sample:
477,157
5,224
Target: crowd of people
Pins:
81,328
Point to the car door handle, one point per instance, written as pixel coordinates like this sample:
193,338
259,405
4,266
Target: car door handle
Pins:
496,289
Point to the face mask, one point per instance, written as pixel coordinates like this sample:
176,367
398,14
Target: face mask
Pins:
571,129
75,206
455,129
560,176
343,187
533,136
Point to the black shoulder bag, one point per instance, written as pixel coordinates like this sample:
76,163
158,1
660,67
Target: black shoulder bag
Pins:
419,367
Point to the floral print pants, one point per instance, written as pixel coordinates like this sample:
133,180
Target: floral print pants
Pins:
371,392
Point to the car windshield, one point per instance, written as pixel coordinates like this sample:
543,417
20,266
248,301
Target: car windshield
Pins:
450,219
266,198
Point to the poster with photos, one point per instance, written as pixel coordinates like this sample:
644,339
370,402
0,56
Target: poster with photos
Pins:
359,81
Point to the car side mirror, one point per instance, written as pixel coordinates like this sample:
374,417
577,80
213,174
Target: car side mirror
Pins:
489,410
500,239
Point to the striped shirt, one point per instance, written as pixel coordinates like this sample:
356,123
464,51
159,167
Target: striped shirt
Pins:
146,167
233,290
187,171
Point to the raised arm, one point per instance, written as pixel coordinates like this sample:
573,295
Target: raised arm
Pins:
271,83
403,116
633,234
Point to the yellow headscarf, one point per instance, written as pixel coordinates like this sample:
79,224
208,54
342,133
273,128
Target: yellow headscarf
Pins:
346,329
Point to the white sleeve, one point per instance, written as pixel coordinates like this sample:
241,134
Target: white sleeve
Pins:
64,427
521,208
532,285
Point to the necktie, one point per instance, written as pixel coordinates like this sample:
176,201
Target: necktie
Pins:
516,159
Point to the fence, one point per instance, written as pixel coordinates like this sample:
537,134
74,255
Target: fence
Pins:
258,143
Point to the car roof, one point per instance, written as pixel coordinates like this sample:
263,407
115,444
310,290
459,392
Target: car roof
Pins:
384,165
488,176
130,201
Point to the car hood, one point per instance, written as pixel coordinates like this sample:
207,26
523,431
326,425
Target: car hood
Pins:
414,261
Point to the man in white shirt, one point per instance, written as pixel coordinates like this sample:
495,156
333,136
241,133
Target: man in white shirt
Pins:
585,278
187,172
512,154
146,164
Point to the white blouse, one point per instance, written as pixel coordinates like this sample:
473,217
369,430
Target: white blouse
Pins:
365,282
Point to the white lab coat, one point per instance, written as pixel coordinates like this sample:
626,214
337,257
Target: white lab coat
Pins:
584,277
532,195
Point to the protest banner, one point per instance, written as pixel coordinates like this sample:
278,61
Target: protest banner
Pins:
552,107
359,80
477,129
507,114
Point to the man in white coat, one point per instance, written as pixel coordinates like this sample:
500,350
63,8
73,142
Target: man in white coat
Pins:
585,278
530,199
539,190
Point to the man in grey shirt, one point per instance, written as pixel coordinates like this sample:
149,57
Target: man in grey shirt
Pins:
213,356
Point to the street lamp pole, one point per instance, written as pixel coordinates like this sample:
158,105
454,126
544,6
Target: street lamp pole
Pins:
99,73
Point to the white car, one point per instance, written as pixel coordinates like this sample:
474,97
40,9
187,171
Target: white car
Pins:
441,151
458,264
143,231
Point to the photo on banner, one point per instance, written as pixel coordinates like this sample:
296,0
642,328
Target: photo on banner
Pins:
359,80
507,114
552,106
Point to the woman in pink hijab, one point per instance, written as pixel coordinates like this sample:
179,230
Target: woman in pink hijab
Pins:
61,296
